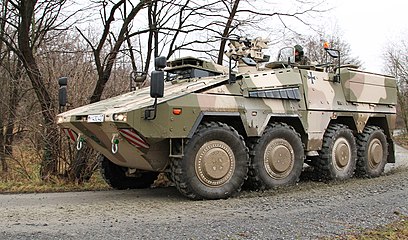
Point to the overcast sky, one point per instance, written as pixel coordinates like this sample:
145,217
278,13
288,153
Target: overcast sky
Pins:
368,26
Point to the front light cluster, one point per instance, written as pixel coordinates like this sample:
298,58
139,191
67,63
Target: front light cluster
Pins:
60,119
120,117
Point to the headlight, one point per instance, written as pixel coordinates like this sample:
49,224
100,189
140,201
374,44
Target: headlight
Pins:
120,117
60,119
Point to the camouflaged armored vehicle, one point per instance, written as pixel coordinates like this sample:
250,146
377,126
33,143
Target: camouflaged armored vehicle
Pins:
211,129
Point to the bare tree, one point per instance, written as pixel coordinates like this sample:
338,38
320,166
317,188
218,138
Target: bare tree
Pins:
2,82
313,45
396,64
111,44
31,22
173,26
203,28
70,56
11,67
244,15
104,63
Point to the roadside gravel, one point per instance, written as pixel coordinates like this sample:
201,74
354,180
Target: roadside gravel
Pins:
306,211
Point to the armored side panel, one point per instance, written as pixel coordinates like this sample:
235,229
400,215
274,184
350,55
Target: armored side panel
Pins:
365,87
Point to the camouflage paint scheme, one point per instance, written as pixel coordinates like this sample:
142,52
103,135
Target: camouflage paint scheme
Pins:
305,97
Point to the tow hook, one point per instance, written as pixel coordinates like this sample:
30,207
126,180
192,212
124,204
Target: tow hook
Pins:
79,142
115,143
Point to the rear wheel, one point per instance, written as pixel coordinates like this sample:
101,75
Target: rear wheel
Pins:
337,158
214,165
118,178
276,157
372,152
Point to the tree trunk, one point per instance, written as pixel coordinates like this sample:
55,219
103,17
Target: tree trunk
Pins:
155,30
150,38
50,143
4,167
78,169
12,107
226,32
3,161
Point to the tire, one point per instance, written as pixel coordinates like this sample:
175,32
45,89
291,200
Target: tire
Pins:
214,165
115,176
372,152
276,158
338,156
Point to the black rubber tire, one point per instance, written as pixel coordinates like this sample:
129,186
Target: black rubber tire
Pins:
115,176
189,174
327,166
169,175
371,141
262,176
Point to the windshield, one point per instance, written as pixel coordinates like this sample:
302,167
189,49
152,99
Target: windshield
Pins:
287,55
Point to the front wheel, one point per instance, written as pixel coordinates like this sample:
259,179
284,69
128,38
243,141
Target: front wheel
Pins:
214,165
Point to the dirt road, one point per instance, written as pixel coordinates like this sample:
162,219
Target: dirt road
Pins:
308,210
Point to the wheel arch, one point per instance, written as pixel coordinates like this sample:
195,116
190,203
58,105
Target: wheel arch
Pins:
294,122
352,122
346,120
232,119
382,123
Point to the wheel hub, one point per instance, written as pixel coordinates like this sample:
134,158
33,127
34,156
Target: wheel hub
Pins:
341,152
375,152
215,163
279,158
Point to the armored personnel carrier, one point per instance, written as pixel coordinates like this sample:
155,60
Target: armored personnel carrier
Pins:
212,129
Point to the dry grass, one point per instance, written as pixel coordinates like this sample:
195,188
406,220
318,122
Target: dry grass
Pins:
402,140
19,183
23,176
394,231
96,183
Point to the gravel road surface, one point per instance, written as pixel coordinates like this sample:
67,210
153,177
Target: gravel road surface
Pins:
306,211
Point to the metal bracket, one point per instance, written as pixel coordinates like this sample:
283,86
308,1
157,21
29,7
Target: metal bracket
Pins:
176,155
150,113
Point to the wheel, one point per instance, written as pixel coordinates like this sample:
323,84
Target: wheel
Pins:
372,152
214,165
337,158
276,158
117,178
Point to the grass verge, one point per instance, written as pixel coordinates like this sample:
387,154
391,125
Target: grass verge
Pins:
402,140
393,231
96,183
